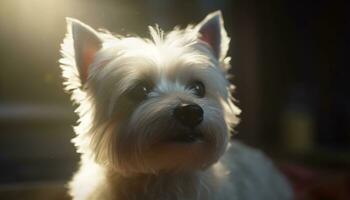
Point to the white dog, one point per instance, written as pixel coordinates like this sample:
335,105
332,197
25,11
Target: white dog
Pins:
156,116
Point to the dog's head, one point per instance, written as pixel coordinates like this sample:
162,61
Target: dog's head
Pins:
151,105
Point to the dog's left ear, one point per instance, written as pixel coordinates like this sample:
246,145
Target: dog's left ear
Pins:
212,31
85,42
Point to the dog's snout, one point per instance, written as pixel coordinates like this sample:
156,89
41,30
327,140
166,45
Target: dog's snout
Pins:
189,115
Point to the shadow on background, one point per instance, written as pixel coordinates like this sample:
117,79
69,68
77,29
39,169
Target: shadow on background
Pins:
290,64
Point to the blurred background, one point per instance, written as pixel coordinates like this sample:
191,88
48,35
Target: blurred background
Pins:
290,61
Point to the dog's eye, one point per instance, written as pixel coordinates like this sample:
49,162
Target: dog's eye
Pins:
198,88
140,91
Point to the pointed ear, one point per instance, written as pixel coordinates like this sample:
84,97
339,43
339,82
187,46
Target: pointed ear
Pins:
86,43
212,31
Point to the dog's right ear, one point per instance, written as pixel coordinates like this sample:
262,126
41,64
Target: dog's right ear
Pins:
84,43
212,31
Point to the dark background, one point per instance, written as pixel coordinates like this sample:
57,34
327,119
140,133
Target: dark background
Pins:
290,61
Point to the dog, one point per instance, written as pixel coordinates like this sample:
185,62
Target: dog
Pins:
155,117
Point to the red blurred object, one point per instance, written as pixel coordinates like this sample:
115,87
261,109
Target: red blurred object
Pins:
316,184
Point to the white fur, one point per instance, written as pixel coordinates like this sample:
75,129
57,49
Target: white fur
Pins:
122,153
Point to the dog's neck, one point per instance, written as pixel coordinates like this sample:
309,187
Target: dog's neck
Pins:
167,186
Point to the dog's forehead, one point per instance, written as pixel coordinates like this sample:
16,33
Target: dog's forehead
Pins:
162,57
165,61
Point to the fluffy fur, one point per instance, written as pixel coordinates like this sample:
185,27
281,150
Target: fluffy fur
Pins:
126,145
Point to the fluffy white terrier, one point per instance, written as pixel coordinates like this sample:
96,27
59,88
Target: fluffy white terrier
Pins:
155,116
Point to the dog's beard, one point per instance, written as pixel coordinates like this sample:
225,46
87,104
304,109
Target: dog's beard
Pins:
145,138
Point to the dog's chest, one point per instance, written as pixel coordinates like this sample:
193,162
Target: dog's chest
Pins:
160,188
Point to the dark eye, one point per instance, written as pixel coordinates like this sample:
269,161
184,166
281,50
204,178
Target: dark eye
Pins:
198,88
140,91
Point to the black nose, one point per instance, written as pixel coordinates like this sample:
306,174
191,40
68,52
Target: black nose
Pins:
189,115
